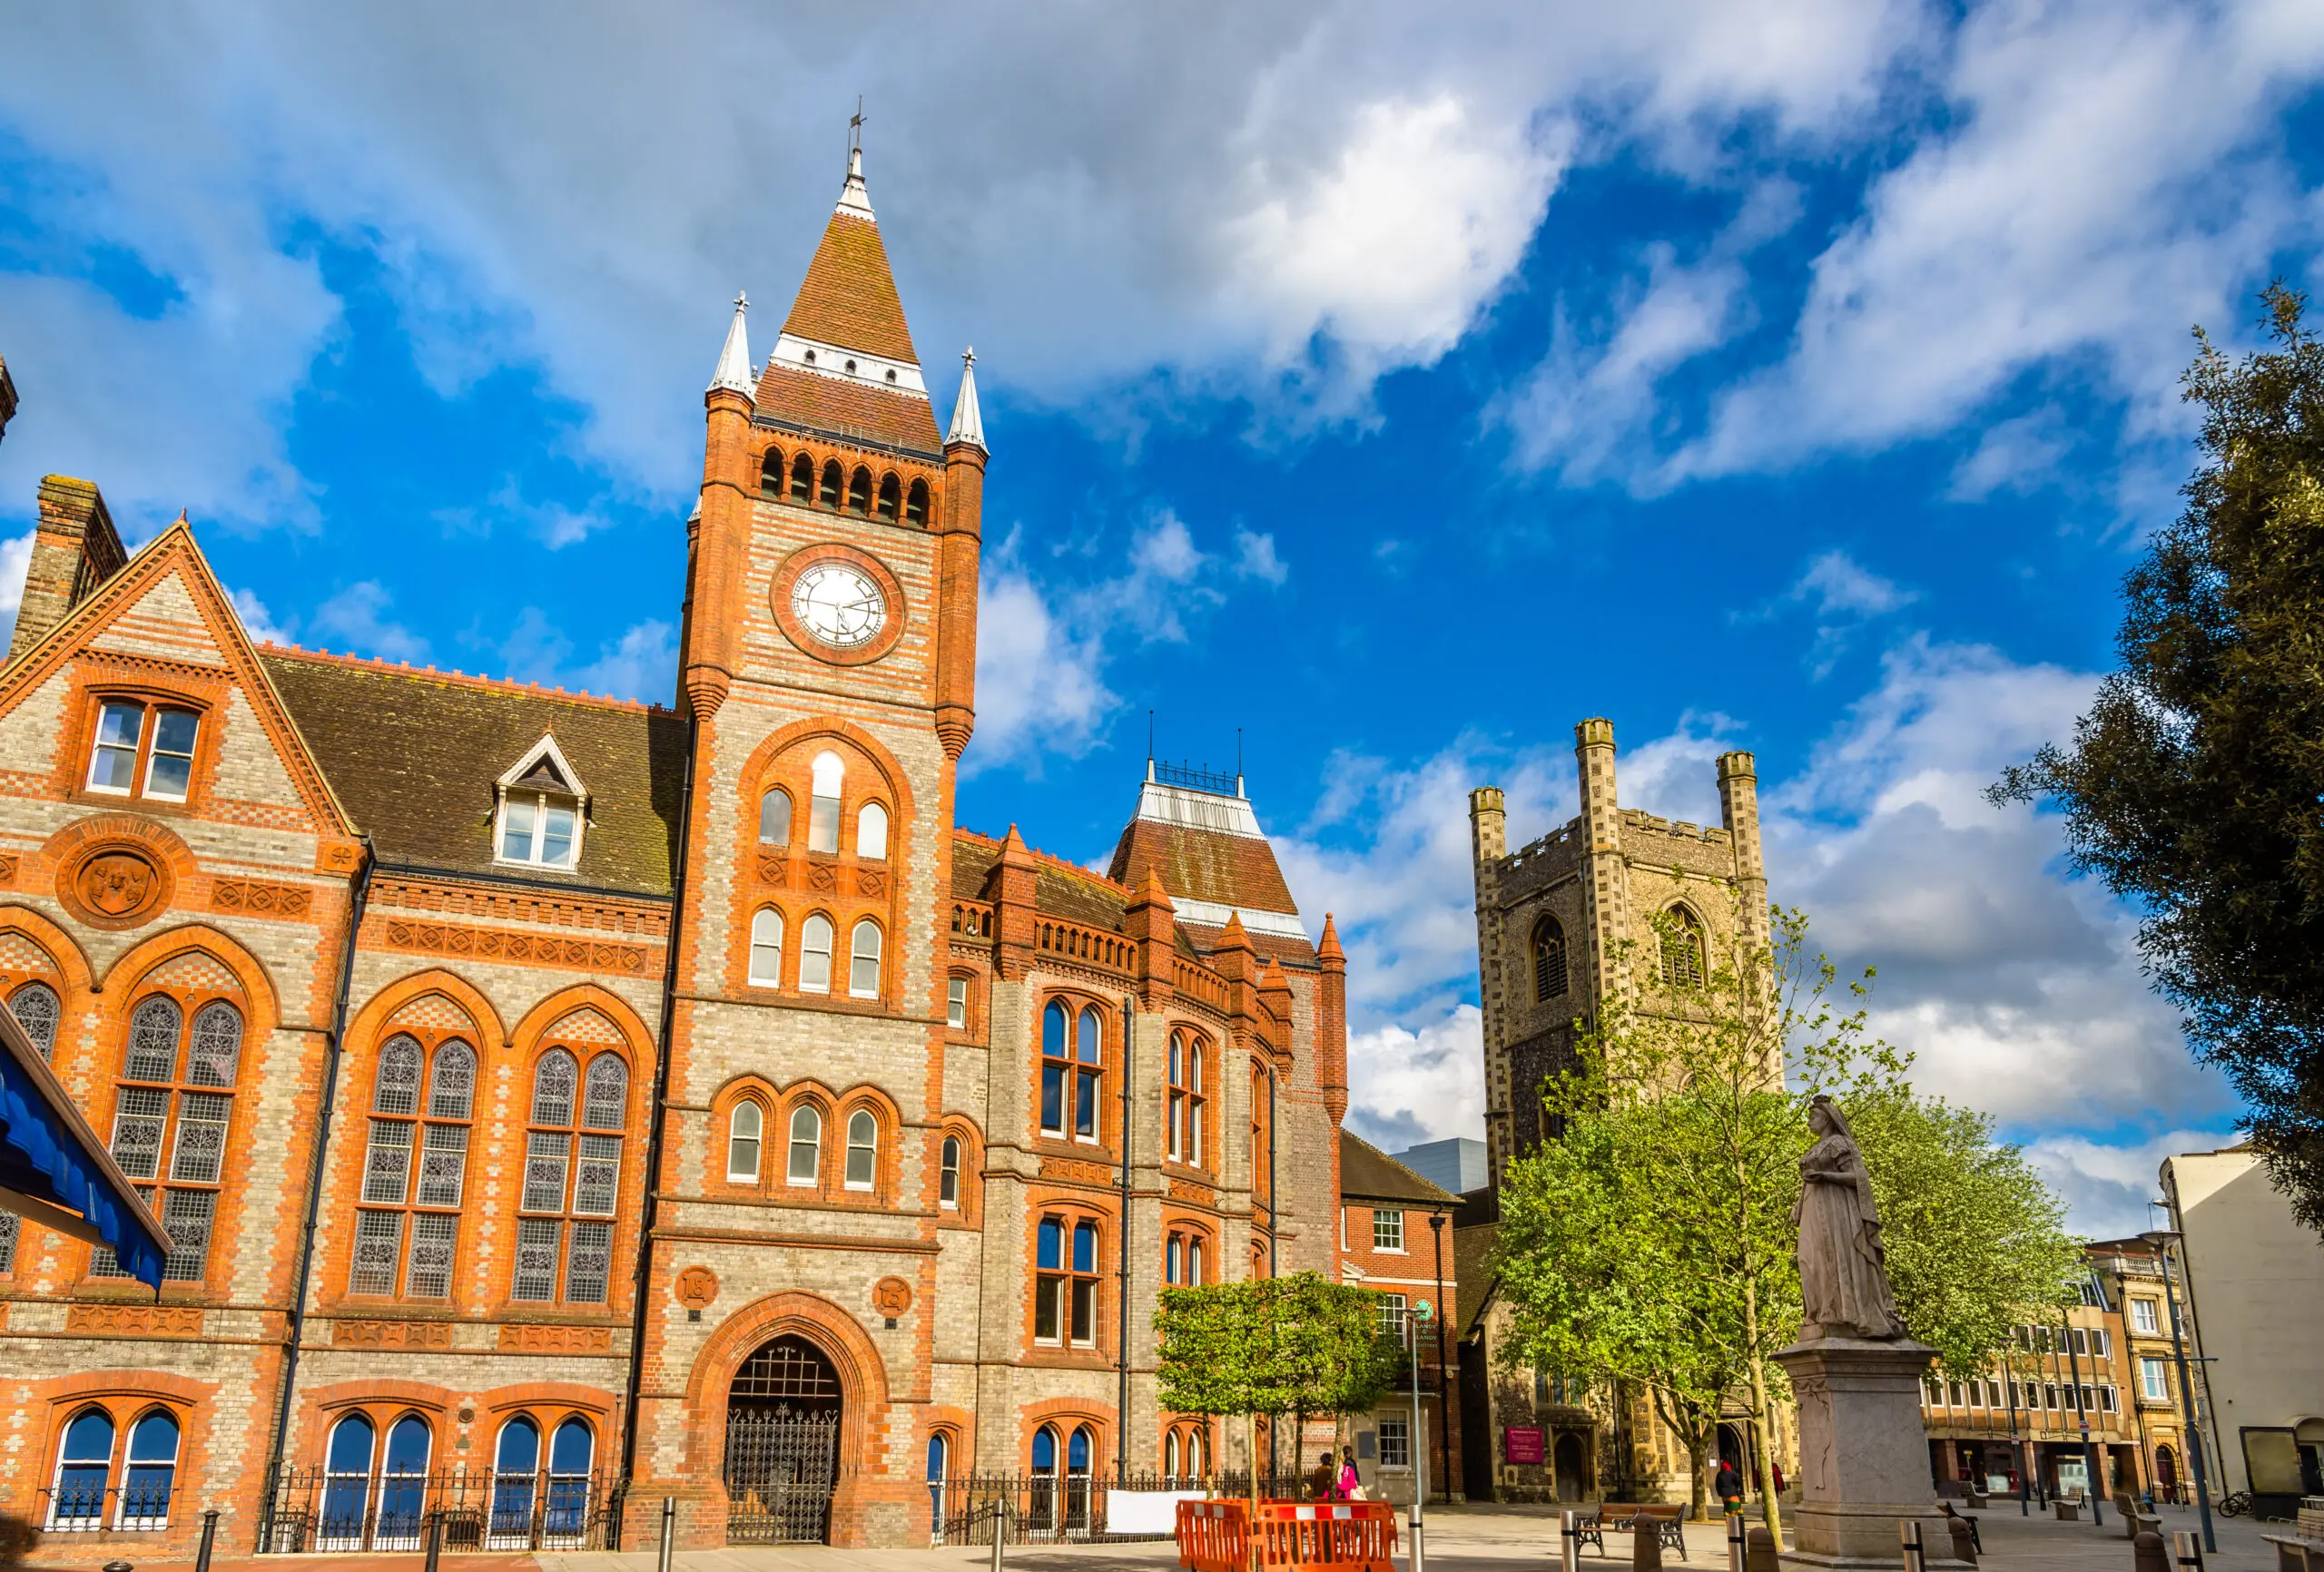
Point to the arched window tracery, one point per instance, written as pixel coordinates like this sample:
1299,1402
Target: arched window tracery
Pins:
184,1106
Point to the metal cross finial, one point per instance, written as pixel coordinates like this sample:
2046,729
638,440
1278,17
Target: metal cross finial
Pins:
855,127
969,355
741,300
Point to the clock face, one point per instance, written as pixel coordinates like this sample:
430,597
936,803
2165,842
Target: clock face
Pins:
839,604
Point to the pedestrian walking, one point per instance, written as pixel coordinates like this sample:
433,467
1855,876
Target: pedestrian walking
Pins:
1729,1488
1351,1482
1325,1480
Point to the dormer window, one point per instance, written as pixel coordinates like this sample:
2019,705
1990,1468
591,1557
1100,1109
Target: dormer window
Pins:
543,811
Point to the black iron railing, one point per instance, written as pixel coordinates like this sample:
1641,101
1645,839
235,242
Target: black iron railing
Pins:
139,1507
309,1511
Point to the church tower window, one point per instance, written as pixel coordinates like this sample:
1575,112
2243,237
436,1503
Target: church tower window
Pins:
891,497
1548,960
802,479
815,954
863,962
1682,949
822,806
916,503
832,481
774,817
871,833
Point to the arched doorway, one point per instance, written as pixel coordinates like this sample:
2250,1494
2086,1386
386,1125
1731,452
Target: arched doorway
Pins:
783,1420
2166,1473
1573,1482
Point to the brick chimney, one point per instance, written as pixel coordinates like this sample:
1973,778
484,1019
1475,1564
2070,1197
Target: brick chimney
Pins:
75,548
7,398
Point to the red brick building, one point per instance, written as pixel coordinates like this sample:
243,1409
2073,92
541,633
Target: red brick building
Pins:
1397,1239
555,1099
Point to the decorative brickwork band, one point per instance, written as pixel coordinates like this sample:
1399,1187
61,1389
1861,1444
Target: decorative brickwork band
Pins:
536,949
133,1320
260,899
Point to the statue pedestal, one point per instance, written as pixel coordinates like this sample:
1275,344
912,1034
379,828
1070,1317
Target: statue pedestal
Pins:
1863,1456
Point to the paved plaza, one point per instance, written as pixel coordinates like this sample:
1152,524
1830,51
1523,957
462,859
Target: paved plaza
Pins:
1468,1539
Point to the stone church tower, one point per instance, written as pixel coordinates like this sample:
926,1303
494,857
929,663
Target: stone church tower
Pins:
558,1103
1551,917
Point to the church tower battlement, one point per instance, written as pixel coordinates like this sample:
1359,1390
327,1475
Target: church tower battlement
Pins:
1553,915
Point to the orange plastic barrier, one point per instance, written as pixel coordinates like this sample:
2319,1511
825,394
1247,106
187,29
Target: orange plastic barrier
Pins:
1221,1536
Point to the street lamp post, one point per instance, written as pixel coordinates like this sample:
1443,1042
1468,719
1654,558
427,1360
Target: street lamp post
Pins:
1422,1313
2161,1239
2024,1464
2081,1412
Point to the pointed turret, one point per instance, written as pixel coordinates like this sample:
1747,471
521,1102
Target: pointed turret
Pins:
845,362
968,419
734,360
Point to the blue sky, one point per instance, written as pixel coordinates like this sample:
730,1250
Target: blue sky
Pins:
1799,377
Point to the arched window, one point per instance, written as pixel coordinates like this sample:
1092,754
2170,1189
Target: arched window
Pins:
858,491
862,1149
815,954
1043,1504
806,1145
36,1010
515,1462
1078,1452
766,948
572,1186
84,1471
185,1112
1088,1040
1071,1075
822,806
947,1180
403,1487
1171,1461
871,833
939,1469
1056,1067
863,965
1182,1263
916,503
743,1127
1682,949
1188,1101
833,482
771,473
1172,1262
1548,960
570,1453
607,1106
1261,1136
347,1484
891,497
1065,1282
774,817
392,1209
802,479
151,1475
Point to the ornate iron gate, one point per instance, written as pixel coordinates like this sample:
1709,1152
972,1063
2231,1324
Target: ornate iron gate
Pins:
781,1465
781,1445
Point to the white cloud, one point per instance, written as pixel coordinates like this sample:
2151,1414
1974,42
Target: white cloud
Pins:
1408,1086
1255,557
1281,201
1844,596
642,664
258,623
2019,454
2106,1186
2111,174
357,618
16,560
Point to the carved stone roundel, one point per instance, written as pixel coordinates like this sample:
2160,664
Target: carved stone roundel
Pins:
891,1296
697,1286
115,885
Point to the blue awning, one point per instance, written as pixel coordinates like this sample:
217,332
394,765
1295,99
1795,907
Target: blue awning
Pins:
54,1171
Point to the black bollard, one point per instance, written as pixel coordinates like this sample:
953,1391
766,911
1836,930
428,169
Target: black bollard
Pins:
435,1537
209,1540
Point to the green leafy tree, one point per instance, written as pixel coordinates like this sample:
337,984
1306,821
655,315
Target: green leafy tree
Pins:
1281,1346
2194,787
1653,1241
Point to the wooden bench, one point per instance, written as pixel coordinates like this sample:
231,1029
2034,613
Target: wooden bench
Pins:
2135,1522
1666,1522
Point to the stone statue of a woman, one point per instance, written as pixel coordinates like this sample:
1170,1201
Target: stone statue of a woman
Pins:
1842,1268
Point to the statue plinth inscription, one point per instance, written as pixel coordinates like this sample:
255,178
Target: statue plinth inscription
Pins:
1863,1452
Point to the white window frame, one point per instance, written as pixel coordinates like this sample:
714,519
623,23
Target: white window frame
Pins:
1397,1423
2154,1380
1388,1222
956,1003
770,979
546,748
2146,1318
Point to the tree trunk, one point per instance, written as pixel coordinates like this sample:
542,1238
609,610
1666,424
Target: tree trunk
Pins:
1770,1511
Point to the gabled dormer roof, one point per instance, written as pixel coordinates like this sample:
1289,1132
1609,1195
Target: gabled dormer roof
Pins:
545,768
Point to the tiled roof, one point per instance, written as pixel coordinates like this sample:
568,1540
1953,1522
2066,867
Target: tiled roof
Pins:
1369,1173
1473,1280
972,858
849,298
1202,865
413,756
847,408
